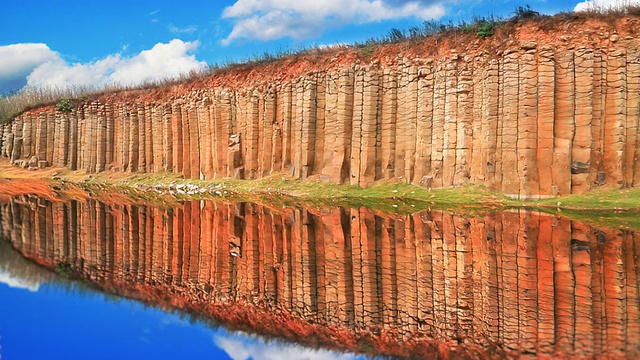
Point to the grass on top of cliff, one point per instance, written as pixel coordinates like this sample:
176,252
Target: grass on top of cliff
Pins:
74,96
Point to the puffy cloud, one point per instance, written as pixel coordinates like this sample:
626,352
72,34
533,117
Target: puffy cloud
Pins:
273,19
604,4
240,346
162,61
19,60
38,66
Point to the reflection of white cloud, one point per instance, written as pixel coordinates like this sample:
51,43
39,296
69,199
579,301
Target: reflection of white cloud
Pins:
273,19
240,346
604,4
16,282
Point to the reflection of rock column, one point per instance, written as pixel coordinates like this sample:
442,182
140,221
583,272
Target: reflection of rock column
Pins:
632,149
528,123
527,280
424,271
581,161
632,249
614,295
536,283
506,242
564,285
581,265
439,279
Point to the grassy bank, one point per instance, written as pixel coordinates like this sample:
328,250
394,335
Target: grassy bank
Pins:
167,189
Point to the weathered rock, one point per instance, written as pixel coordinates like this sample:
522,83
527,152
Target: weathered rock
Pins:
532,121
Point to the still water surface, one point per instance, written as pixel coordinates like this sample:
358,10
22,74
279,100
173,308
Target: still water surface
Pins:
432,283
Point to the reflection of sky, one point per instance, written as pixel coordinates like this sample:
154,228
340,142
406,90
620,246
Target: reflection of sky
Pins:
240,346
15,282
62,322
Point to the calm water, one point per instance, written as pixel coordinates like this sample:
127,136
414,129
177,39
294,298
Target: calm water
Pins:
432,283
45,316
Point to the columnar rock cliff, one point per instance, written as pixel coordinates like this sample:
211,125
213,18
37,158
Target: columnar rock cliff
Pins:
538,284
531,113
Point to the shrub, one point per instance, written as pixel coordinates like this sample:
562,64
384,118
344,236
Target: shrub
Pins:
524,13
485,29
367,49
65,105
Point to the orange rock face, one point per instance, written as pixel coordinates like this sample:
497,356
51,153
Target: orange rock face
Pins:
528,115
432,283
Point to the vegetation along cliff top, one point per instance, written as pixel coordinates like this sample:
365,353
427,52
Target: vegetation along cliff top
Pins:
599,27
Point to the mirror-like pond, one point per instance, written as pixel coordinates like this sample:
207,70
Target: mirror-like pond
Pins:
432,283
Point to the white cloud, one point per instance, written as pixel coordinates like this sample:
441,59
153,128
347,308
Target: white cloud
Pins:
19,60
273,19
240,346
604,4
36,65
162,61
184,30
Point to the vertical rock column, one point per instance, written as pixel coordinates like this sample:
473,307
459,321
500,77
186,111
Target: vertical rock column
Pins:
545,118
270,133
110,136
101,138
356,127
134,140
205,139
450,124
167,137
40,136
157,139
72,159
194,142
564,126
465,122
250,107
489,129
582,138
511,178
140,110
614,118
438,126
370,125
176,140
389,114
27,129
478,162
528,122
51,131
633,116
340,166
149,134
407,117
3,139
424,126
63,146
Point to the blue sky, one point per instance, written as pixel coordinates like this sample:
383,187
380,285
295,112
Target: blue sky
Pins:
95,43
65,321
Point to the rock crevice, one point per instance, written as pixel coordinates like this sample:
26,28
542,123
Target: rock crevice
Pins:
532,121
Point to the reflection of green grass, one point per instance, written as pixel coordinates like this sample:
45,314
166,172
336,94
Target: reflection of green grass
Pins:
64,270
619,219
597,199
602,206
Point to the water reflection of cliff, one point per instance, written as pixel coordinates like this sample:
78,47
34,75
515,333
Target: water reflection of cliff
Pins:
535,283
